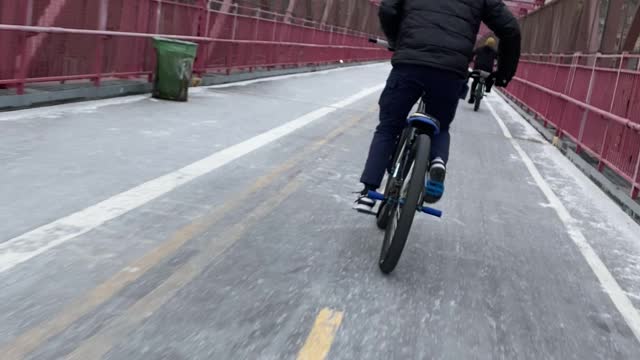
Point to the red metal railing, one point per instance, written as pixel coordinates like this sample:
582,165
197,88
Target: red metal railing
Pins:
519,8
61,40
592,99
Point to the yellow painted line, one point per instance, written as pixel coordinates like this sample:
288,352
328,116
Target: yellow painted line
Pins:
30,340
322,335
114,330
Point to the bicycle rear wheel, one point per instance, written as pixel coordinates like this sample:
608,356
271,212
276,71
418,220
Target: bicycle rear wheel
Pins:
479,95
403,209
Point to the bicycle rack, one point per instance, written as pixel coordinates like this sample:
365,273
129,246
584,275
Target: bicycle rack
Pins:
425,209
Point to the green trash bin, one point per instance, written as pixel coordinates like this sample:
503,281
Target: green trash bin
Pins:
174,67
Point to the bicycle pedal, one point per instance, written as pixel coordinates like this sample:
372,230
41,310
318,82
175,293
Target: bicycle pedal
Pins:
375,195
430,211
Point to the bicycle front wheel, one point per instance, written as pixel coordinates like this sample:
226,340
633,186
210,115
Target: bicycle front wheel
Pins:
401,212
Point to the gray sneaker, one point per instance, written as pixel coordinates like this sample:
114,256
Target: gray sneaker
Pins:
364,204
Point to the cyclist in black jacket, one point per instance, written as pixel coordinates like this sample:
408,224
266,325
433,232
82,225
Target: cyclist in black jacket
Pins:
433,42
484,59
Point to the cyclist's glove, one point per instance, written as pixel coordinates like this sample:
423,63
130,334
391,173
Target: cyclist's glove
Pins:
500,80
392,46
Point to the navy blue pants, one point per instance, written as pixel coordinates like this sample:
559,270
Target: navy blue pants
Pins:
405,85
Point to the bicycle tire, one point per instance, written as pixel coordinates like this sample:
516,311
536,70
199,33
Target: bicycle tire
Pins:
396,236
479,95
382,217
402,166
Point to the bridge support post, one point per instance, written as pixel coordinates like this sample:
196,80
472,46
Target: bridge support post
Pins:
634,31
103,15
635,183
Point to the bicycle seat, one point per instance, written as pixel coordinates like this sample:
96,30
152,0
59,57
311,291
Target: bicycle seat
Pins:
424,123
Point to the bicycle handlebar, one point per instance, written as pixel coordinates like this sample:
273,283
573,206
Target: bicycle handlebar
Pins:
475,73
380,42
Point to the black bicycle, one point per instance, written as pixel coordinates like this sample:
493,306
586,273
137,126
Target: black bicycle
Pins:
404,191
482,77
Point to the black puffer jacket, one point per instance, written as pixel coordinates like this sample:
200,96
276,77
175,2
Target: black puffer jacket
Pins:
442,33
485,57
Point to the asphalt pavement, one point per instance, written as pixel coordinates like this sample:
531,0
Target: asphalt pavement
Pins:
222,228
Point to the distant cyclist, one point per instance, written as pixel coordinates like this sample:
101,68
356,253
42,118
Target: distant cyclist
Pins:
484,58
433,42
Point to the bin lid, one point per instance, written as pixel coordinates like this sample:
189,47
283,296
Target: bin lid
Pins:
172,45
176,41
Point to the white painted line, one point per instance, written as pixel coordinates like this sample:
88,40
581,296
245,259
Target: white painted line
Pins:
527,132
284,77
503,126
37,241
56,111
617,295
355,97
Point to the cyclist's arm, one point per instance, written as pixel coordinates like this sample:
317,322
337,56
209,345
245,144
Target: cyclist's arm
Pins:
390,14
474,56
500,20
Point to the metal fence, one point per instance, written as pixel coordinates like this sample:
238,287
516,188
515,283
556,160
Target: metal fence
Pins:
592,99
582,76
62,40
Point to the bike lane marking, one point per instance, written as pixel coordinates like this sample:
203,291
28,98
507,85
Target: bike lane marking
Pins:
112,332
322,334
35,242
609,284
48,112
40,333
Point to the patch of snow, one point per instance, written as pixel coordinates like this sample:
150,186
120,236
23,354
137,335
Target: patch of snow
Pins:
524,129
589,199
